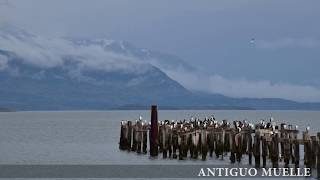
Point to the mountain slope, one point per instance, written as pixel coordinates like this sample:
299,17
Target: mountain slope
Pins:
39,73
42,73
26,86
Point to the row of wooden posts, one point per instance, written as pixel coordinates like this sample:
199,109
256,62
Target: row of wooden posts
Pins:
263,141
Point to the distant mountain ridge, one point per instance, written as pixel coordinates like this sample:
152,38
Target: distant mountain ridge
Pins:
6,110
75,74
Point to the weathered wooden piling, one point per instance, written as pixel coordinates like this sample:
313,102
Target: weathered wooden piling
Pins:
122,136
218,144
154,131
211,143
204,148
307,149
227,142
165,140
175,144
192,138
129,135
232,147
223,150
314,150
202,137
139,136
244,141
190,145
264,151
282,135
183,147
318,156
134,137
257,149
286,156
291,141
250,146
170,140
238,143
160,137
145,138
275,150
296,151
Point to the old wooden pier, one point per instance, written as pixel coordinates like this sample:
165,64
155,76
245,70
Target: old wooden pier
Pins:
264,141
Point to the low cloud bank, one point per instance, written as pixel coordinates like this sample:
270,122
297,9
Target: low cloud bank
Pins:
47,53
3,62
245,88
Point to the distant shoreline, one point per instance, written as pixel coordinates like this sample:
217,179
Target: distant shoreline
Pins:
6,110
129,107
160,109
167,108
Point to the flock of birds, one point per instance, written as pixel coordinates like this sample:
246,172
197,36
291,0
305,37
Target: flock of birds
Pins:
195,122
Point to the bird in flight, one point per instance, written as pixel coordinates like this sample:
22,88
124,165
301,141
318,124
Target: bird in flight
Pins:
252,40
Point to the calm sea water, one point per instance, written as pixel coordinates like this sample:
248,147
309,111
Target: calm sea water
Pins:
91,137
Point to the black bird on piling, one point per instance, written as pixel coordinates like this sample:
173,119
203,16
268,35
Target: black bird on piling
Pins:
308,129
262,124
213,117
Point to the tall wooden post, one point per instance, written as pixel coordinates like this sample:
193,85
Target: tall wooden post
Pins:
122,137
223,134
264,151
233,147
318,155
275,151
145,138
154,131
291,139
129,135
286,156
204,148
314,150
296,151
211,142
217,143
193,145
239,144
164,142
307,149
250,146
174,143
282,125
134,137
170,141
257,149
139,136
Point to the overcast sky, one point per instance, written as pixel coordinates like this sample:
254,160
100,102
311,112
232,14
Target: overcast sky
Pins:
215,36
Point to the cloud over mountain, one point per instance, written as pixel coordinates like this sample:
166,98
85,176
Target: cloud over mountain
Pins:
112,56
48,53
